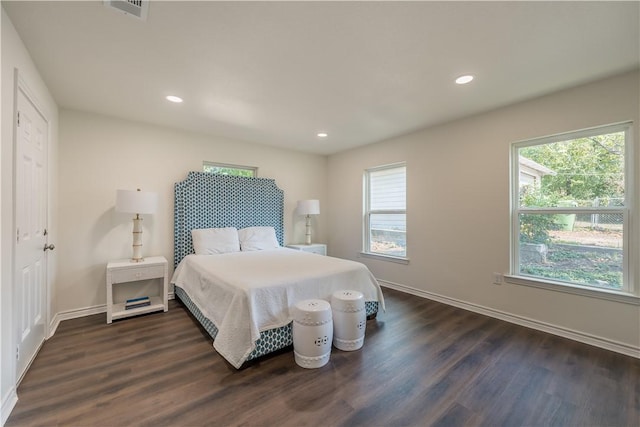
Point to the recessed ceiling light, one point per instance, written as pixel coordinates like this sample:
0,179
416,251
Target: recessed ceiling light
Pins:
322,135
464,79
172,98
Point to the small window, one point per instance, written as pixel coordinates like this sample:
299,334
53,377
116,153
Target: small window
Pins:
233,170
385,212
570,208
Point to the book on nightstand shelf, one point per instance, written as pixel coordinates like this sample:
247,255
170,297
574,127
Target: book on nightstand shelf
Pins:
137,302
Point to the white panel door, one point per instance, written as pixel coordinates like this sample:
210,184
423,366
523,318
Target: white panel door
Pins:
31,217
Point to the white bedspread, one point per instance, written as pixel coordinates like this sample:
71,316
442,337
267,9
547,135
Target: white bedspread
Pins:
244,293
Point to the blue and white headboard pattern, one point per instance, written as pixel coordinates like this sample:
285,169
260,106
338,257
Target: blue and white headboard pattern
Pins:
206,200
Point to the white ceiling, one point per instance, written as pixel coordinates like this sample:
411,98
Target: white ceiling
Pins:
277,73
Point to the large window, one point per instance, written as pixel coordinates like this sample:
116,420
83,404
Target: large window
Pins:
226,169
570,208
385,211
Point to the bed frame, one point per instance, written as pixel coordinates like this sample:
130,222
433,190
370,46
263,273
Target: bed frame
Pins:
206,200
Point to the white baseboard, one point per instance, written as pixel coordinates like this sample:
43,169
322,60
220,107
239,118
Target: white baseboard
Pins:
8,403
81,312
74,314
596,341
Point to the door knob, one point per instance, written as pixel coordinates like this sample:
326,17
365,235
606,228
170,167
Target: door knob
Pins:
49,247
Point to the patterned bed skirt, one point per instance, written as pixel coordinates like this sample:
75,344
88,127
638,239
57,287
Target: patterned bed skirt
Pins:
270,340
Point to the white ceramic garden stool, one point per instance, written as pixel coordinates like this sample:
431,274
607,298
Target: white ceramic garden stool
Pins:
349,319
312,333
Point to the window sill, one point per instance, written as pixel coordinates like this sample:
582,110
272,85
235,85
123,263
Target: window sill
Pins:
604,294
398,260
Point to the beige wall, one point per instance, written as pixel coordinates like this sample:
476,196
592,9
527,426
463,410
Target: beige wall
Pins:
458,208
99,155
15,56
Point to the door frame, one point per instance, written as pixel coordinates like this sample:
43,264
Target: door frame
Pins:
20,85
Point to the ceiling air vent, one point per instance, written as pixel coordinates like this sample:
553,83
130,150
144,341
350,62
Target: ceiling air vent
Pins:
136,8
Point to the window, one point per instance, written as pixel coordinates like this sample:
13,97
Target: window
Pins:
385,212
225,169
571,207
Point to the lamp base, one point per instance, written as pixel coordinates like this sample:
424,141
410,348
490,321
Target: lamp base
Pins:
137,240
308,232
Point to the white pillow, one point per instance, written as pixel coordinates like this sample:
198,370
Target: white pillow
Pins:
258,238
209,241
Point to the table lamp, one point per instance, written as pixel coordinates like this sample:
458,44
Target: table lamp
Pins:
308,208
136,202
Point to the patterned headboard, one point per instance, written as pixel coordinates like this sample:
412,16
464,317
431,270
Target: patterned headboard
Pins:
206,200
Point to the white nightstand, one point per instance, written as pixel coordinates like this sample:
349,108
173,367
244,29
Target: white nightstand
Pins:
314,248
125,271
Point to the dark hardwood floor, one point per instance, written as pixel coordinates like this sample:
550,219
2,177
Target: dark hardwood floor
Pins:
423,363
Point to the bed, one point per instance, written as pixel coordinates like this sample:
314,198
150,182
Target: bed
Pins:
242,297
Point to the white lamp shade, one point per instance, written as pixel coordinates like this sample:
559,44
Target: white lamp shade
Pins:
138,202
308,207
